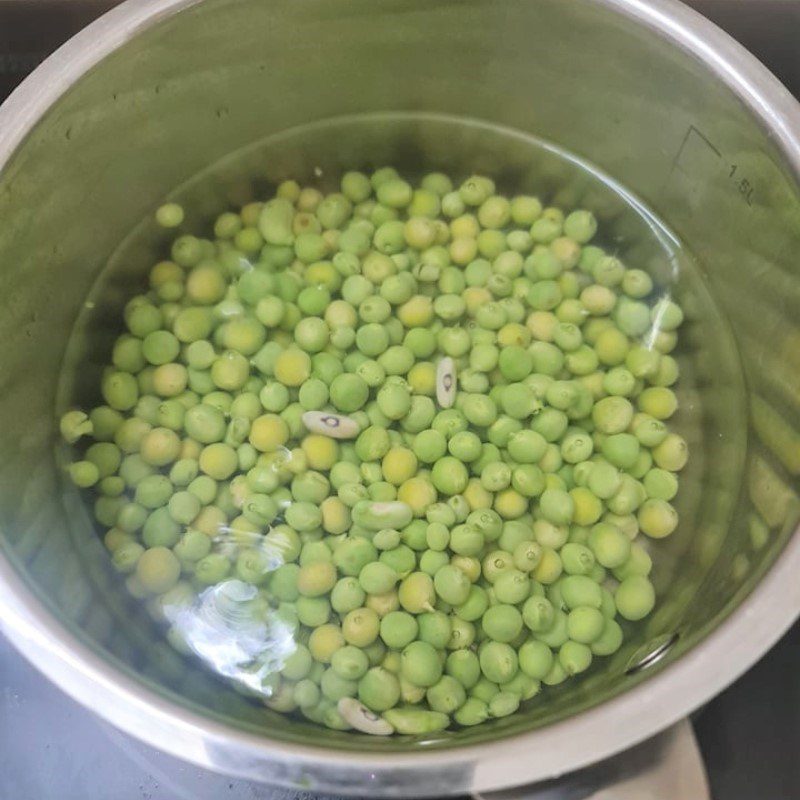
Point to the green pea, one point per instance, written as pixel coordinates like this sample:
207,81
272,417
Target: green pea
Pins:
464,666
446,695
466,540
394,400
429,446
420,664
581,226
379,689
398,629
503,704
313,611
498,661
473,712
535,659
538,614
452,585
502,622
621,449
574,657
205,423
303,516
377,578
449,476
474,607
512,587
347,595
283,582
635,597
416,720
356,186
350,663
348,392
401,559
192,546
579,590
609,641
432,560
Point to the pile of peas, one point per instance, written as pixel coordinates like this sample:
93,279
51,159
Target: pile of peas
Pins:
445,550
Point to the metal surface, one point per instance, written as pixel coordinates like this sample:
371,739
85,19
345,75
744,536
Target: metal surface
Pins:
78,755
679,114
51,748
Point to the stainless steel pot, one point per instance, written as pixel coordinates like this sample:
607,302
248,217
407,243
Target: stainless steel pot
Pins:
649,92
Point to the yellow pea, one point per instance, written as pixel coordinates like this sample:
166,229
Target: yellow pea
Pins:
335,516
463,250
470,566
391,662
316,578
657,518
115,538
382,604
513,333
541,325
268,432
549,568
594,383
465,225
293,367
476,496
165,272
283,338
169,380
475,297
418,493
422,378
219,461
398,465
243,532
510,504
417,312
325,641
205,285
190,449
411,693
297,462
340,314
588,508
323,273
210,521
322,452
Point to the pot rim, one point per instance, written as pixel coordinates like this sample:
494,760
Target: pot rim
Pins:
587,737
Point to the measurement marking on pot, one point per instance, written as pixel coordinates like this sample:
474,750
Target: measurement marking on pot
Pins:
744,185
689,131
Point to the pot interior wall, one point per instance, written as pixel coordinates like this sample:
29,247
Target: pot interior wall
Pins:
227,77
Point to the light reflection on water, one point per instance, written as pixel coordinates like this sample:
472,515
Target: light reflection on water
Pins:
232,628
